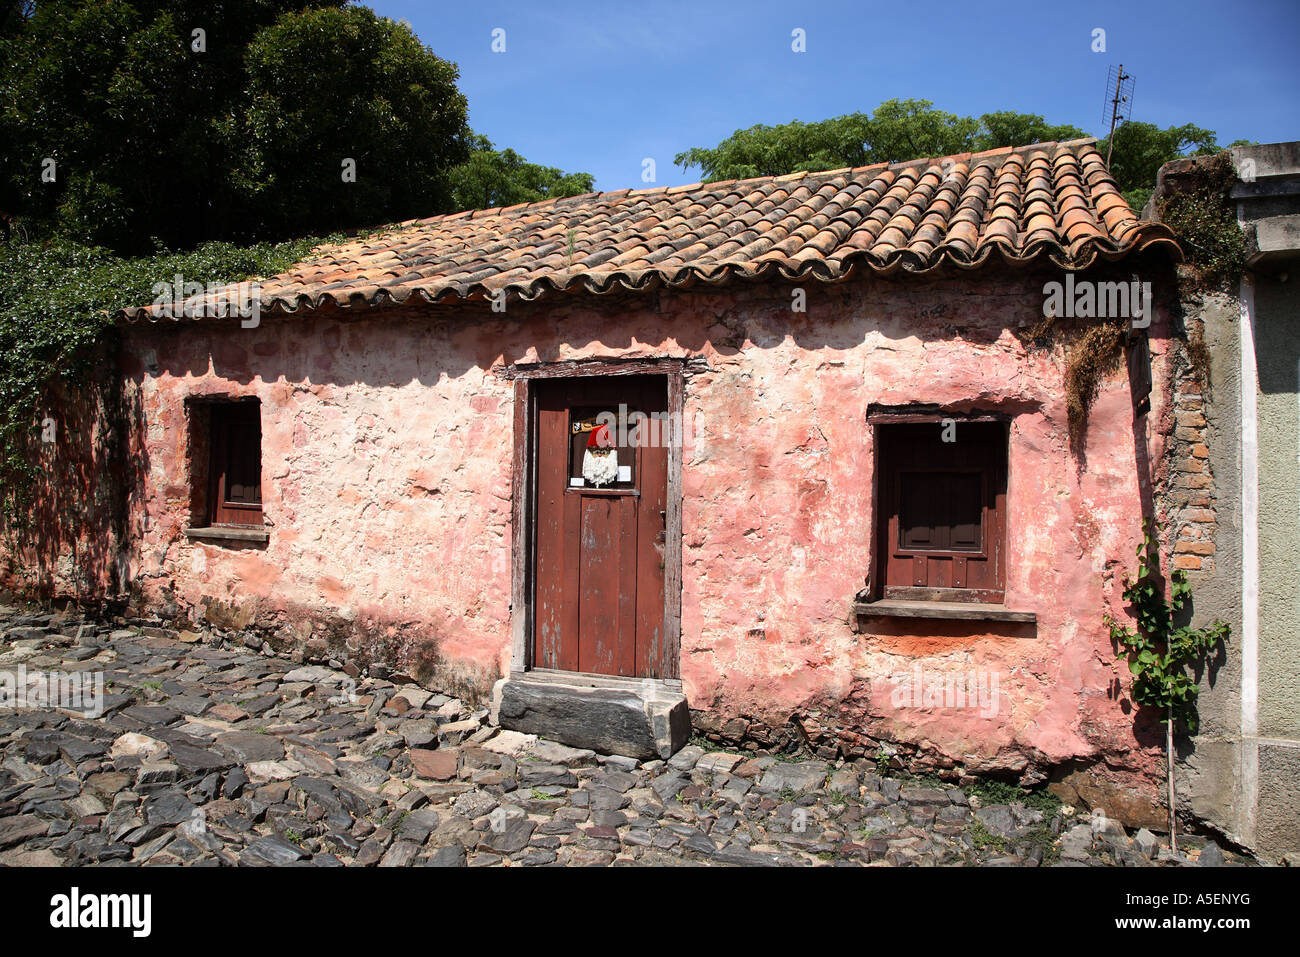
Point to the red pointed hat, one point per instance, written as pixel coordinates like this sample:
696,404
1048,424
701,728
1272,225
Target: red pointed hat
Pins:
599,438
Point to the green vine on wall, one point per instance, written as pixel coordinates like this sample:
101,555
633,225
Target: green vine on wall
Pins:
1160,651
56,334
1201,213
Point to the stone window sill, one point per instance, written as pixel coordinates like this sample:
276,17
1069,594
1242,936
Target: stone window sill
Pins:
950,610
229,533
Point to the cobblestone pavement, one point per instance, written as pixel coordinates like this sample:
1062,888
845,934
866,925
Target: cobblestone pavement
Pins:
208,753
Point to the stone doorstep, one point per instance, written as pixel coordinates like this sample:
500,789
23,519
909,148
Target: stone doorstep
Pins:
636,719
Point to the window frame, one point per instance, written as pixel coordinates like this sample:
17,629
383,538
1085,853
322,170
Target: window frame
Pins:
887,512
213,514
222,450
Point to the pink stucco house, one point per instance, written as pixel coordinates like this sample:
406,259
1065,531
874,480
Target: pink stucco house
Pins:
788,459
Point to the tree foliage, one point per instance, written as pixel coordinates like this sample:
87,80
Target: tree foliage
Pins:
492,177
897,130
1142,148
244,139
911,129
330,88
111,93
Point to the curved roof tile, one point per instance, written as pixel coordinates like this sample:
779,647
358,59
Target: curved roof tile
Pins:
1053,200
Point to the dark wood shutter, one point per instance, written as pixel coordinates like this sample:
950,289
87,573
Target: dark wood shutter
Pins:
943,511
236,470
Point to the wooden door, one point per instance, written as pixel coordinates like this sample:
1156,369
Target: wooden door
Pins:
601,521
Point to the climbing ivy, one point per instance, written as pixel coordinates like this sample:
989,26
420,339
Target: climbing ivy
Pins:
1202,215
1158,650
56,305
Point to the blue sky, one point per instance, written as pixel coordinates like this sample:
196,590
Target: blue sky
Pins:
601,86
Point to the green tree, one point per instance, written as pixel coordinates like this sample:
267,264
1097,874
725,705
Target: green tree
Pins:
1021,129
159,135
1142,148
330,88
897,130
107,112
492,177
912,129
773,150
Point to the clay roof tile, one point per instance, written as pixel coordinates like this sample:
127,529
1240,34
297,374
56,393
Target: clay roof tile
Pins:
1054,199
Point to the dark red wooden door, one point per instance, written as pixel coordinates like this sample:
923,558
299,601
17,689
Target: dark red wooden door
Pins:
599,600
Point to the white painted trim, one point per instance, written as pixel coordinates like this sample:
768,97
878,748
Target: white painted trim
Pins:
1249,563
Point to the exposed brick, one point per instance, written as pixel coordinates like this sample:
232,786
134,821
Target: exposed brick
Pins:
1187,562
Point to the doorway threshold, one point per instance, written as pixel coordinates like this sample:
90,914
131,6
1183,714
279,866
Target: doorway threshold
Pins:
642,718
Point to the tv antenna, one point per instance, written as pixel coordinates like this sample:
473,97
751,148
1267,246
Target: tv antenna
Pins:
1119,103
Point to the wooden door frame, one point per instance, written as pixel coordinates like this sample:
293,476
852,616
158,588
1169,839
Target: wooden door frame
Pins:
524,502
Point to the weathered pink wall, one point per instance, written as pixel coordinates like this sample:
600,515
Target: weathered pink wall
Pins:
387,444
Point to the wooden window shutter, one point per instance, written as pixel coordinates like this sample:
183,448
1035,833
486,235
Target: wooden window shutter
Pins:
236,471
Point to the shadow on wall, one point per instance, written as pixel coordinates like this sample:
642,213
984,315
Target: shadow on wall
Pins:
423,343
72,540
83,509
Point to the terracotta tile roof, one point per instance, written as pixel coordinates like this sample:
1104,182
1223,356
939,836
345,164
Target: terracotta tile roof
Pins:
1052,200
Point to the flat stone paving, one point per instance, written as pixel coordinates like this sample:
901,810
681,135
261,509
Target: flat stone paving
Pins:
208,753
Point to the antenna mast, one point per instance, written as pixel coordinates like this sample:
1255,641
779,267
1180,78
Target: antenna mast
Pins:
1119,105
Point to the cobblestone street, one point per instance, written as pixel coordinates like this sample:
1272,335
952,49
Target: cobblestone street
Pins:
209,753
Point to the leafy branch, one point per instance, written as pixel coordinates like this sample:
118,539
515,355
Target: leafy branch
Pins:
1160,651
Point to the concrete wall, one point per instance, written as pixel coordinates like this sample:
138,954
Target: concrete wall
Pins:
1210,775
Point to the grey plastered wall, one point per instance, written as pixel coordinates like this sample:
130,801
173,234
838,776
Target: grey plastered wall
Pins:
1210,773
1277,334
1268,197
1242,771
